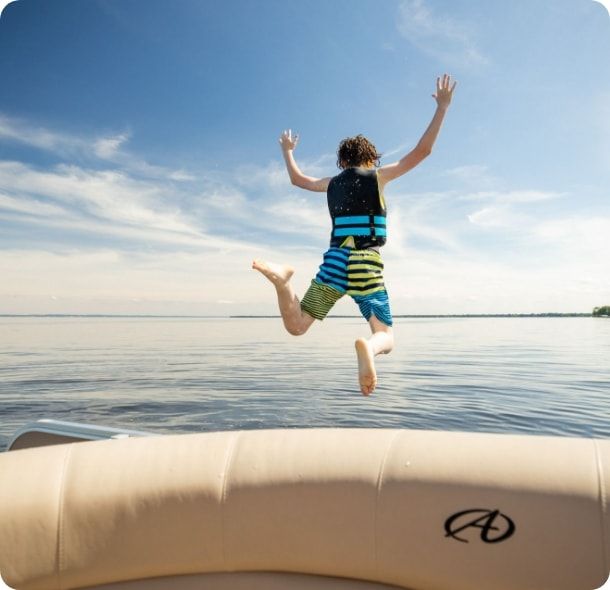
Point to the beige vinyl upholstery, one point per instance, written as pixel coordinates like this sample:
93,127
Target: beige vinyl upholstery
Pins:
414,509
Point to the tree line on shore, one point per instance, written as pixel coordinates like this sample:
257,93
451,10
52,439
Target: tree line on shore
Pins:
604,310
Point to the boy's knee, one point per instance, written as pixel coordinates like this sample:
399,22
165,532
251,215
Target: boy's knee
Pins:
296,330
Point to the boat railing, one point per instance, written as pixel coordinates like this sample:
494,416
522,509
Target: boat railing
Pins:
56,432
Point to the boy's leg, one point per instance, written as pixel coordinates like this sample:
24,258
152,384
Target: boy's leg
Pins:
319,298
381,342
365,272
296,321
382,339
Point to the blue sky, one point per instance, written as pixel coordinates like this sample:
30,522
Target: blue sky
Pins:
140,170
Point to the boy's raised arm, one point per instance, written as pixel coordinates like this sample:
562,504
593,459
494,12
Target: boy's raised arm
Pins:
310,183
444,93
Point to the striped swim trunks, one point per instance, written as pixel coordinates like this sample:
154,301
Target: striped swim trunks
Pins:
358,273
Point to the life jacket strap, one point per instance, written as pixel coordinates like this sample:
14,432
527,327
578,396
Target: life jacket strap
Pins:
359,225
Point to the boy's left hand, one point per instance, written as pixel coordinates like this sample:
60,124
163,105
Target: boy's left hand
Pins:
444,92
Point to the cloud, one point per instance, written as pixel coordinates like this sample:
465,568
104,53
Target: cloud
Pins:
123,201
473,175
77,278
31,207
107,195
413,224
582,237
38,137
91,150
429,282
274,204
513,253
399,150
441,36
108,147
497,217
517,196
62,144
112,281
273,176
156,244
505,209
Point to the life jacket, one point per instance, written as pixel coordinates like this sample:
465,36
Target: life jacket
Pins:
357,209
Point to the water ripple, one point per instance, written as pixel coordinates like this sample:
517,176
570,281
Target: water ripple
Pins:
536,376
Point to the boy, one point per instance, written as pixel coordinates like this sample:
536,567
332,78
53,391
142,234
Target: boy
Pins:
352,264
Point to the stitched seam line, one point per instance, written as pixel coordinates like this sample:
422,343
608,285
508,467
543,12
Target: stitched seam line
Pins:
60,514
227,468
603,504
379,484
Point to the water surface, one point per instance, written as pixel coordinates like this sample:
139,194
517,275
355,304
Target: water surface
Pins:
517,375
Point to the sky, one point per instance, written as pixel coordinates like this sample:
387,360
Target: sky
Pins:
140,170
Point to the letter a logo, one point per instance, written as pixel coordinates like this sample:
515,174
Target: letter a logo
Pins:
493,525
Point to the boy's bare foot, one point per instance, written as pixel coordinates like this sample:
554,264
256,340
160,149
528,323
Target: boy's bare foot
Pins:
278,274
366,366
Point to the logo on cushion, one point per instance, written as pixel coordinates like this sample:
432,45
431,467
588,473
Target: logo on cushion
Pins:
494,525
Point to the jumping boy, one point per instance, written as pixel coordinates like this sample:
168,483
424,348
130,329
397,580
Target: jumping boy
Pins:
352,264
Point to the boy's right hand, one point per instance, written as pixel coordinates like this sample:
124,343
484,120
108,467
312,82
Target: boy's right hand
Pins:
288,141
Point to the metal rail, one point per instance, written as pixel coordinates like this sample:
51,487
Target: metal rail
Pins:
56,432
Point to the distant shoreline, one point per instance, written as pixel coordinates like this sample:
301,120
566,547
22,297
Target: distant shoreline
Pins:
464,315
219,317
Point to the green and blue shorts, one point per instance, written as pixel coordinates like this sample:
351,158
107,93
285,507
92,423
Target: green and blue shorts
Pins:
357,273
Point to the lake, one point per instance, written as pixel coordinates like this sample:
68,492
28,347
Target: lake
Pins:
512,375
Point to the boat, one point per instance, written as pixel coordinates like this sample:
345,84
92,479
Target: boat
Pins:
85,507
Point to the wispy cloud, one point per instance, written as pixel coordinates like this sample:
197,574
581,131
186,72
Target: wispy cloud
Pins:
245,210
107,148
507,209
413,224
516,196
21,132
163,245
439,35
108,195
32,207
398,151
498,217
474,175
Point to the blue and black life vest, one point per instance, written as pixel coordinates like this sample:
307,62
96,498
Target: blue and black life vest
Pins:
357,209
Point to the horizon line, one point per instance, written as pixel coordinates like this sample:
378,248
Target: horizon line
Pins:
266,316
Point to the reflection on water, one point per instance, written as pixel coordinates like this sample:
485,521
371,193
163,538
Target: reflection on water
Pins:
528,375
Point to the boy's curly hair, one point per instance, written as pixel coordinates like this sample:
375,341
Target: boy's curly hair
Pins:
356,151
